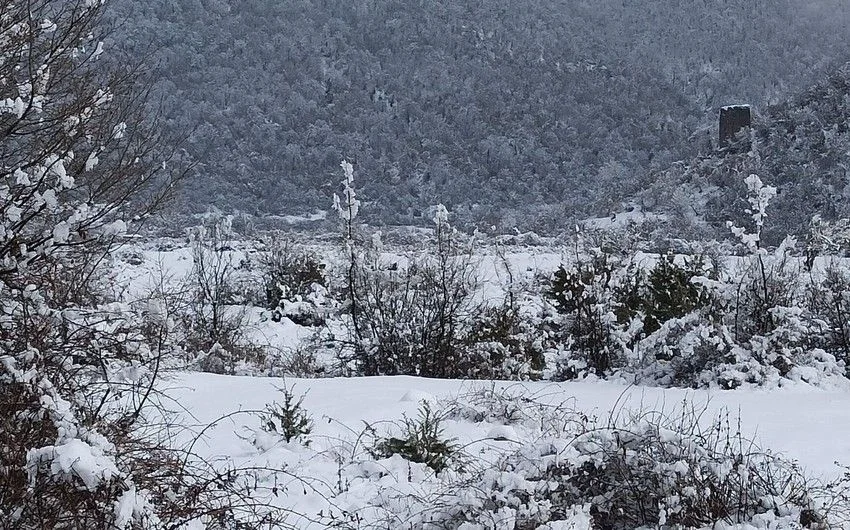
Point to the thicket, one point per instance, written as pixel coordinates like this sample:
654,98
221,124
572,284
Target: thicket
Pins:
422,317
692,321
715,316
84,439
608,305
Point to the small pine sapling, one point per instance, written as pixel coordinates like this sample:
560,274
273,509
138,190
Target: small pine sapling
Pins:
421,441
288,419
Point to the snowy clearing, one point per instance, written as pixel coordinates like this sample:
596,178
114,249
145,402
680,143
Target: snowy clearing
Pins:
802,424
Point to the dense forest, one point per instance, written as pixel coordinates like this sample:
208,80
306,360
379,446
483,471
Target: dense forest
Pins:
510,115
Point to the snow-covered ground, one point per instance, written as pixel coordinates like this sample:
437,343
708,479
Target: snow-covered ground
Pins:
329,477
807,425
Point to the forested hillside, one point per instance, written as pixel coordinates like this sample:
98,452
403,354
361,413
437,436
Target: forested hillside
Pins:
510,114
801,146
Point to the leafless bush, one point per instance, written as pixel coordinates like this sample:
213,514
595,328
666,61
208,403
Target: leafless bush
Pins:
78,370
300,361
657,470
413,319
288,271
215,322
547,411
766,282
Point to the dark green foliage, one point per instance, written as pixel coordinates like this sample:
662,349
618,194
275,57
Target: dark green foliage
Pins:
581,293
593,290
829,301
288,419
507,344
665,292
570,287
421,441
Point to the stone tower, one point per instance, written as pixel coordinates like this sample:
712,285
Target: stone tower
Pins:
732,119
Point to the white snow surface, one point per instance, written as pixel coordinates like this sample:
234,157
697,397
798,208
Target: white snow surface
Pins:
802,423
334,475
805,424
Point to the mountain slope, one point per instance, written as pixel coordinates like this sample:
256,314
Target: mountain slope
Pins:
801,146
479,105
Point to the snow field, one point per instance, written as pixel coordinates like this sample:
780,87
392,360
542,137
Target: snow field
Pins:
334,475
333,480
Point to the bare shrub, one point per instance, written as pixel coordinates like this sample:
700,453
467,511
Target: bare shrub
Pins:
551,414
658,470
410,321
289,271
646,470
407,319
300,361
215,320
